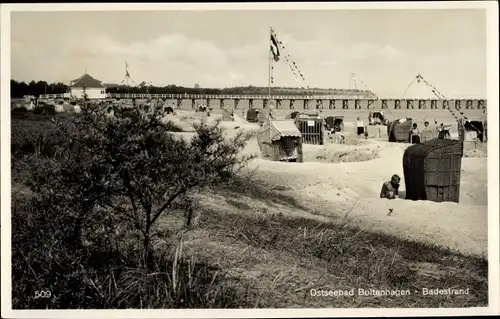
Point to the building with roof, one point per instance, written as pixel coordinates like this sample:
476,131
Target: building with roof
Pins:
87,84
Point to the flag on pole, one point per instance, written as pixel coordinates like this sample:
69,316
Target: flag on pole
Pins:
275,48
126,70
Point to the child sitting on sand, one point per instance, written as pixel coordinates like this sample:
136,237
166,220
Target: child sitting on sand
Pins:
390,188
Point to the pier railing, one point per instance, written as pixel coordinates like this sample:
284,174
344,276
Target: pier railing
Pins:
318,101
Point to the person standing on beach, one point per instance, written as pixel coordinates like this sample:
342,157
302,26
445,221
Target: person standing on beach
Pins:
426,134
442,132
360,127
414,135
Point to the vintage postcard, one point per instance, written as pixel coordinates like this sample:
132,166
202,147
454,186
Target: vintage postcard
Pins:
249,160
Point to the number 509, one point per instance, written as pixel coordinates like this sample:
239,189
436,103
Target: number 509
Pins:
42,294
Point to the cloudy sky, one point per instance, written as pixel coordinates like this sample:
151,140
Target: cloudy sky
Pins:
385,48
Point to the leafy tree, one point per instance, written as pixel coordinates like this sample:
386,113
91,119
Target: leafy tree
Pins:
128,170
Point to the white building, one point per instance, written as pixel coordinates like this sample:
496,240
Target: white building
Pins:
87,84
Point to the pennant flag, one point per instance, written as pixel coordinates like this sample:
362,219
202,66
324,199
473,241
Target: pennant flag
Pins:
275,48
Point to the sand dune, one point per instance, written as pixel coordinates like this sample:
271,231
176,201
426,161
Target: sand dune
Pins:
352,189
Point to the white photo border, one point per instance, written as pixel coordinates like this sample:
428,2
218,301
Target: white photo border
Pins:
493,175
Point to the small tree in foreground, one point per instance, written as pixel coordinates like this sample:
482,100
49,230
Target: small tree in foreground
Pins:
128,170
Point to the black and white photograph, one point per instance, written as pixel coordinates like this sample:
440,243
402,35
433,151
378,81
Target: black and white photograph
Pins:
249,159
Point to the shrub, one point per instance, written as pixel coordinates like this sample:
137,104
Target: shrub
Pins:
20,109
100,177
19,112
45,109
34,134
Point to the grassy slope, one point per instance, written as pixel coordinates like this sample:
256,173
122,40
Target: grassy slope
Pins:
252,233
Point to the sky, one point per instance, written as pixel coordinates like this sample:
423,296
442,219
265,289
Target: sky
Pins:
386,49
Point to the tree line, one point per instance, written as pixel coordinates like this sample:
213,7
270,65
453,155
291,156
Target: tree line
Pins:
20,89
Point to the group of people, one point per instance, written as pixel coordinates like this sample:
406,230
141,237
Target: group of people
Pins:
417,136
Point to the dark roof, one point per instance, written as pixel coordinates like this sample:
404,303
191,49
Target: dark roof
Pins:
423,149
279,129
86,81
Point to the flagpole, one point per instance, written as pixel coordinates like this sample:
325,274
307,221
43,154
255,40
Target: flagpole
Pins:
269,66
126,79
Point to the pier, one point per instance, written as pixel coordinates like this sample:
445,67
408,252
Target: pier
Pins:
304,101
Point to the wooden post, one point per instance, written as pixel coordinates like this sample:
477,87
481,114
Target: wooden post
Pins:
384,104
300,152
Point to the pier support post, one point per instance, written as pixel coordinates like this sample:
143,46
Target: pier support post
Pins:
421,104
434,104
370,102
319,104
306,104
345,104
236,102
480,105
457,105
250,103
409,104
384,104
446,104
331,104
468,104
179,103
278,104
221,103
265,103
193,104
357,104
292,106
208,104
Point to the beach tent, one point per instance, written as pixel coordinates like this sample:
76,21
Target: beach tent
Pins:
201,108
376,118
472,129
169,110
399,130
292,115
280,141
311,127
432,170
334,123
252,115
